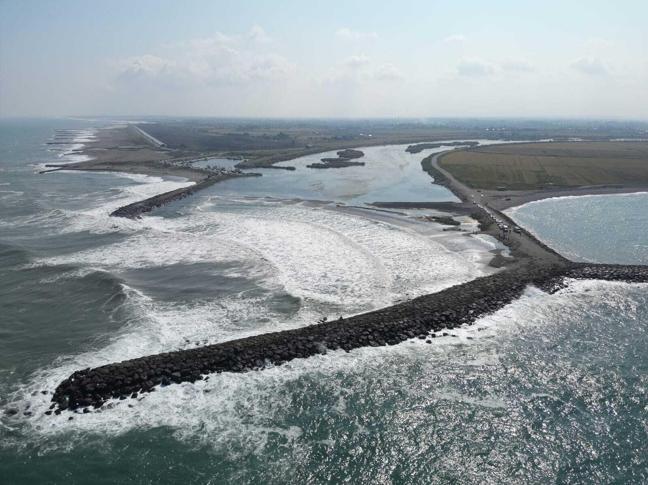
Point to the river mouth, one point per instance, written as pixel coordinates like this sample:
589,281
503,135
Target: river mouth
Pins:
508,396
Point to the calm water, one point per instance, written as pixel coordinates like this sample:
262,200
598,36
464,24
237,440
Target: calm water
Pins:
551,388
595,228
389,174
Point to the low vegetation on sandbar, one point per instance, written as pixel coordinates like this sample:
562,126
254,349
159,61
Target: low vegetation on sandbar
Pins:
528,166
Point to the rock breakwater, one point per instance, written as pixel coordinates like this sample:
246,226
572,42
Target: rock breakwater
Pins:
417,318
136,209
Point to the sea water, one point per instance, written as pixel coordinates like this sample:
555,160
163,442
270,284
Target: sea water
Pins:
550,388
594,228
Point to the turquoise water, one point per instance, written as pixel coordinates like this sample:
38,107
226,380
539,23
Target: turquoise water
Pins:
551,388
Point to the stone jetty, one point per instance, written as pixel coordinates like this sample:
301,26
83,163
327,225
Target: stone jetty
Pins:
421,318
136,209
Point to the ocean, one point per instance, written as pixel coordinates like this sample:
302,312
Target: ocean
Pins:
552,388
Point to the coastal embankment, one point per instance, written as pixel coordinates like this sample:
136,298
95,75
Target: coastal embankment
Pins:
425,318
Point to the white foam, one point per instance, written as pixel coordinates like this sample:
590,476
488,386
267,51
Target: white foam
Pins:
232,407
68,151
317,254
349,261
97,218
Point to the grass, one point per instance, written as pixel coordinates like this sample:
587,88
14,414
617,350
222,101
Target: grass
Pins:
528,166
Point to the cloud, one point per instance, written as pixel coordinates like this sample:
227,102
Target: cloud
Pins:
591,66
355,62
517,65
257,34
359,70
454,38
346,33
472,67
219,59
269,67
146,65
388,72
598,43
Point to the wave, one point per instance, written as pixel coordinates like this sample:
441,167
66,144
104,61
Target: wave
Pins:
69,144
244,413
314,253
95,216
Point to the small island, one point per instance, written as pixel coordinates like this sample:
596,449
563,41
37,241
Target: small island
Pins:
344,159
419,147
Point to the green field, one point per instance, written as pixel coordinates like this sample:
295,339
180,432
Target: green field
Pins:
527,166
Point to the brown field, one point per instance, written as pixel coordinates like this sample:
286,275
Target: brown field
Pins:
528,166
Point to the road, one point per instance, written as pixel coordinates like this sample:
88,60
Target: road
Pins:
523,245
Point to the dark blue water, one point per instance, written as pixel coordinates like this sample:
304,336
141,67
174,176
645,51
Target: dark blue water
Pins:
549,389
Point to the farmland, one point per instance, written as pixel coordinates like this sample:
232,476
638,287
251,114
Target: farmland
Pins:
530,166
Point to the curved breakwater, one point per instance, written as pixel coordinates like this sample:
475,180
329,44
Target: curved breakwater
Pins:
419,318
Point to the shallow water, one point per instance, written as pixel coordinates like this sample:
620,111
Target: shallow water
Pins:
389,174
550,388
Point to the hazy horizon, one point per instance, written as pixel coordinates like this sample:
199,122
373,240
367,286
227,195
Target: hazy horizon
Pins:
353,60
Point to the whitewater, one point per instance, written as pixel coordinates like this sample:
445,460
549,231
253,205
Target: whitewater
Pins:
530,391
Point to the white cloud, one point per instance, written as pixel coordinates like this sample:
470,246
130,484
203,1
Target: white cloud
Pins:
257,34
517,65
346,33
591,66
598,43
454,38
473,67
355,62
219,59
146,65
270,67
388,72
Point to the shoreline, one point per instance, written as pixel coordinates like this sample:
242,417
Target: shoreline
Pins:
201,178
520,198
508,198
523,245
425,317
136,169
115,150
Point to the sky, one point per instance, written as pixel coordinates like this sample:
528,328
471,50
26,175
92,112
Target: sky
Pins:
356,59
